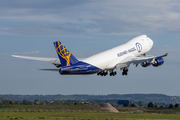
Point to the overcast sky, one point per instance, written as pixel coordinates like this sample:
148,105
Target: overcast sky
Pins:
87,27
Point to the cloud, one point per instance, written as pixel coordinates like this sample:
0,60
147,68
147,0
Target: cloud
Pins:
94,17
40,30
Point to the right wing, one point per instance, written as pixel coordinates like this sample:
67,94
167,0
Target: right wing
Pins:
54,61
136,60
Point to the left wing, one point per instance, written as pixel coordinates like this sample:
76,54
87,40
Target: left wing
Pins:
34,58
136,60
54,61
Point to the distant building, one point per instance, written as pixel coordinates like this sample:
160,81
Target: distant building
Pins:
85,103
121,102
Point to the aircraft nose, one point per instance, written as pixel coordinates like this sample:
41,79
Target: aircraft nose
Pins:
150,42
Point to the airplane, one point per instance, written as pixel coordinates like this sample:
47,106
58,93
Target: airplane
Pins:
120,57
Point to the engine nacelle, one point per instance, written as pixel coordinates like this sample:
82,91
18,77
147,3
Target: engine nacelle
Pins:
158,62
145,64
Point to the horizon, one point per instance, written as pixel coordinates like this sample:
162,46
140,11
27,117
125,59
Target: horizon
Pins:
94,94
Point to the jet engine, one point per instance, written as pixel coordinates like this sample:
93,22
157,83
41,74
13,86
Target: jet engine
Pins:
157,62
145,64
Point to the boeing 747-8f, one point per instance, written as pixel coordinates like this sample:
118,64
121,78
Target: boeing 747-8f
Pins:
120,57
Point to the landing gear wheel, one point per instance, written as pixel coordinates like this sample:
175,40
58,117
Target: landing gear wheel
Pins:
110,74
102,73
125,71
113,73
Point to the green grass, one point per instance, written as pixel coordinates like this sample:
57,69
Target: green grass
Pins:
48,108
81,112
150,110
82,116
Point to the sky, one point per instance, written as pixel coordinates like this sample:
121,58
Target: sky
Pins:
87,27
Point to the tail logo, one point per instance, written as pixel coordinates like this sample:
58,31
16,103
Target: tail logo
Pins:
63,52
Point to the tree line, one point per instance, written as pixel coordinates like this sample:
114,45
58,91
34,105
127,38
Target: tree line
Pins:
151,105
158,98
6,101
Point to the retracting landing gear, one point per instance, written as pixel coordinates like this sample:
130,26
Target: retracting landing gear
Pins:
125,71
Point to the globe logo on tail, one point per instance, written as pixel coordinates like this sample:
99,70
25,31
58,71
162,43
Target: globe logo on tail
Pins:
138,47
63,52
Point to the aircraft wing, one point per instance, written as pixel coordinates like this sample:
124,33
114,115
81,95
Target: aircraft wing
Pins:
136,60
54,61
34,58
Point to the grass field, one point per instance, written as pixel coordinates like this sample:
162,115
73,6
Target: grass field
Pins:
81,112
49,108
149,110
83,116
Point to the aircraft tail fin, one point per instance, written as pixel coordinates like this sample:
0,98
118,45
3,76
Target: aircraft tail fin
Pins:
65,56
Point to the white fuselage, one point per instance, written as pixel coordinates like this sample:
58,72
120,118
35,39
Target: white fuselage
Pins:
109,59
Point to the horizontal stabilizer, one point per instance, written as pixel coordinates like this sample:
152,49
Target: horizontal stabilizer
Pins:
57,70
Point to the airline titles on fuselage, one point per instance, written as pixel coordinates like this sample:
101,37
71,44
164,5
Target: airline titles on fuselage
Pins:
126,52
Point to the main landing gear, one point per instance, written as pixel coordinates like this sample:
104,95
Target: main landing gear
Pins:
113,73
125,71
104,73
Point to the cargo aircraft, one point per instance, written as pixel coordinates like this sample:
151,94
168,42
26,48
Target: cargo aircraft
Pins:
120,57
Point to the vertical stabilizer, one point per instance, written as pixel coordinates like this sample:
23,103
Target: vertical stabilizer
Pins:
65,56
